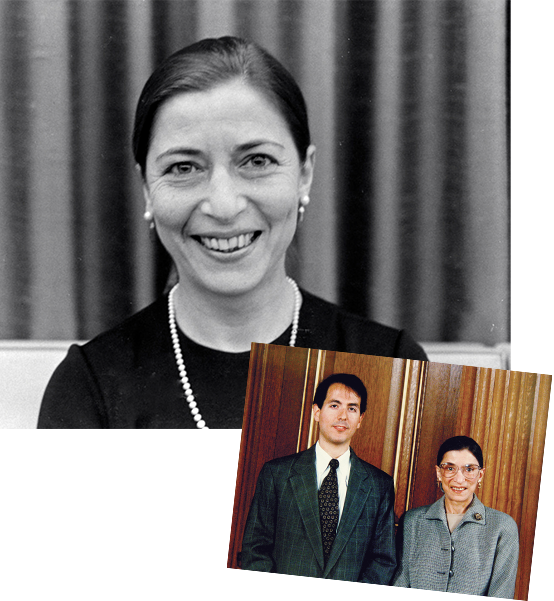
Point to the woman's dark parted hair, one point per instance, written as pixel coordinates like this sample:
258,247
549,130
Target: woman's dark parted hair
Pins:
208,63
460,443
349,380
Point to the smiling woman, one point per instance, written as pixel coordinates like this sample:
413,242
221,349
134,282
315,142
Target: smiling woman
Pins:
457,544
222,183
222,144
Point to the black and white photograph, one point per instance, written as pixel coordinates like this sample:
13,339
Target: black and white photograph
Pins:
389,201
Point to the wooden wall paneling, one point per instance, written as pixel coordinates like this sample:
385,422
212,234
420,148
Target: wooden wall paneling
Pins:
394,410
479,412
417,391
451,406
506,443
379,387
533,464
485,422
328,365
316,360
518,456
494,432
498,456
520,445
255,441
438,422
515,459
290,401
540,570
466,400
414,375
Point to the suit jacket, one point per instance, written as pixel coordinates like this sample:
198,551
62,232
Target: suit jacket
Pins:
480,557
283,532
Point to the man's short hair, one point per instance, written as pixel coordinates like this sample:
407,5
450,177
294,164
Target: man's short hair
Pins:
349,380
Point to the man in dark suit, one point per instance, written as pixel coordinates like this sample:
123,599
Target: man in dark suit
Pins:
299,525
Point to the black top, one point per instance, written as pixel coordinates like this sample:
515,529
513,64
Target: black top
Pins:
127,377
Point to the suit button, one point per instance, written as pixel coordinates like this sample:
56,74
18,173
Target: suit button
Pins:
451,573
452,548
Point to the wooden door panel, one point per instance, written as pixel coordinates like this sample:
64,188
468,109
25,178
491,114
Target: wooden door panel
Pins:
405,444
466,398
288,400
488,426
396,404
518,463
439,417
533,470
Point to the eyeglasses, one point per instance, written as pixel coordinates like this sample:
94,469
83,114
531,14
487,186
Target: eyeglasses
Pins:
470,471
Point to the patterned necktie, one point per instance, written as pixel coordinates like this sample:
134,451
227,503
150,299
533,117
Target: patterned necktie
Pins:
329,508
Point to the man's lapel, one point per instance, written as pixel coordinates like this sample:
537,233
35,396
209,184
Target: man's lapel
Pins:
304,486
359,486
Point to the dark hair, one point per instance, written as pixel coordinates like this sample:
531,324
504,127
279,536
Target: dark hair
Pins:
460,443
349,380
210,62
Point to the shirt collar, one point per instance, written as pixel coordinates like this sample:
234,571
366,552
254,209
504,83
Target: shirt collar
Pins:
475,512
322,459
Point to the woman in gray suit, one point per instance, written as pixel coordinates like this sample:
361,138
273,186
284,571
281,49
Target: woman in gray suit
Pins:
457,544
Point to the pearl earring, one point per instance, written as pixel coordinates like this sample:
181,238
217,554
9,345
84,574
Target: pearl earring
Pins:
150,218
304,202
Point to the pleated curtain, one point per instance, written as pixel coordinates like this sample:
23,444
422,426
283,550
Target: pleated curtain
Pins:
409,112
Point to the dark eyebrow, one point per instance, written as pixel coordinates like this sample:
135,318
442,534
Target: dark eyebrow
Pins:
255,143
350,404
179,150
195,152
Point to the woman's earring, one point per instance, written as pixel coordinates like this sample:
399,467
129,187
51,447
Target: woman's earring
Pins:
304,202
150,218
479,485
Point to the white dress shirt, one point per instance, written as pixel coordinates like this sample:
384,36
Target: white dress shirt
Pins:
322,459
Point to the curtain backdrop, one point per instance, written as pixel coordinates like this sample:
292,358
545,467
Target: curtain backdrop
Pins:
409,220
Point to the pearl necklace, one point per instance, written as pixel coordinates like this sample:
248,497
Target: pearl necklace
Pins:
185,383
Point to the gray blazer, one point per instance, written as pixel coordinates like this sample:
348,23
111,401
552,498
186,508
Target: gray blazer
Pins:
283,532
479,557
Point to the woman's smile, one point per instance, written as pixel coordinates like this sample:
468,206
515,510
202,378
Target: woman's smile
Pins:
228,244
458,489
